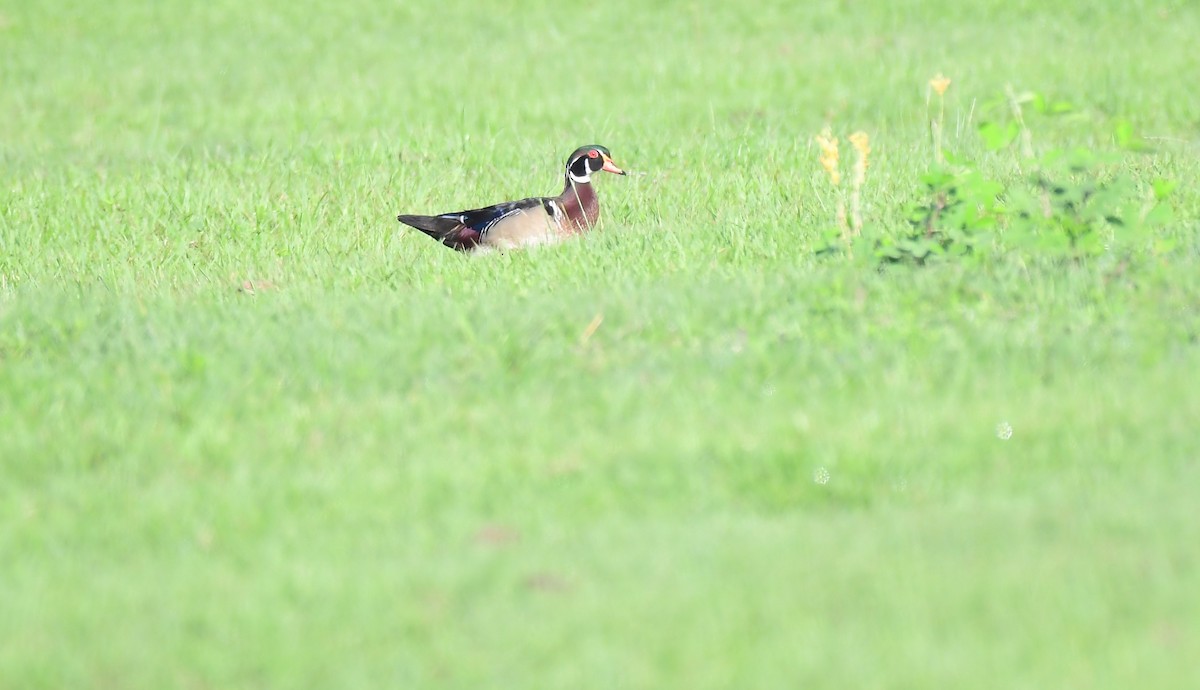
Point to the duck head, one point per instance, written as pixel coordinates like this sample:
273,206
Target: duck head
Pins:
590,159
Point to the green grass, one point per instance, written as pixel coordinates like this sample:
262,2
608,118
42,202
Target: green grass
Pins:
390,465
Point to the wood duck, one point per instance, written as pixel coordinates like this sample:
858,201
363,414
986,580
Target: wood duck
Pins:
529,221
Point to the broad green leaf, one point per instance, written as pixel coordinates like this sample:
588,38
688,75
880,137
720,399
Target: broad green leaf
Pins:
996,137
1163,188
1165,245
1126,138
1159,216
953,158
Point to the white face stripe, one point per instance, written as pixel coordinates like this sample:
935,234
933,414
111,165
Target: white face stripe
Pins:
585,179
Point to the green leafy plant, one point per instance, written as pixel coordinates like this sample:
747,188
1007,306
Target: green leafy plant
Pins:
1073,206
1067,207
957,215
1065,204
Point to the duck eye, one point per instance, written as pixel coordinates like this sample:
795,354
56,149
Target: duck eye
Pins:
593,154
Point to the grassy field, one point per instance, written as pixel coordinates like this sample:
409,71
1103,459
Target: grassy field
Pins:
255,434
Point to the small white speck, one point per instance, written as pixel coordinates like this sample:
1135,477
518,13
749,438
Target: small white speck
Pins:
1004,431
821,475
768,391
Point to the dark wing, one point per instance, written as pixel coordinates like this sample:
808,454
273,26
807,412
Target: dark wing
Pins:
481,219
448,231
